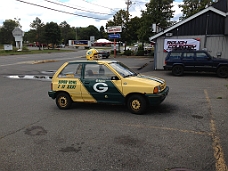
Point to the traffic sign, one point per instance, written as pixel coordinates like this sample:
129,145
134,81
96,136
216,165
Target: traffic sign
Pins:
114,36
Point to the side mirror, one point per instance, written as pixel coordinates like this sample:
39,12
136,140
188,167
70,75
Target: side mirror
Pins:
114,78
208,58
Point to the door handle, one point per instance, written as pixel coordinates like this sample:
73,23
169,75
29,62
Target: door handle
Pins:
86,82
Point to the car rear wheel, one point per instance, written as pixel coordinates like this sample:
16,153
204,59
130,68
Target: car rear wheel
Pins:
63,101
137,104
222,72
178,70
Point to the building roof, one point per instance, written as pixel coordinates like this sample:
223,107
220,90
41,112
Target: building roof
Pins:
189,19
103,41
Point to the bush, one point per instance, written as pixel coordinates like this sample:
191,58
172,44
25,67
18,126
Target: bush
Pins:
24,48
127,52
140,53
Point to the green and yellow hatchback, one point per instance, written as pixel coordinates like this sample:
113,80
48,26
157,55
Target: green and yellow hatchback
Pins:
106,81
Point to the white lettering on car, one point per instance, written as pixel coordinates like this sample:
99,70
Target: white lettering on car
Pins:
100,87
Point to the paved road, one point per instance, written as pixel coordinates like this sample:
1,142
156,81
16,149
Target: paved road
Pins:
188,130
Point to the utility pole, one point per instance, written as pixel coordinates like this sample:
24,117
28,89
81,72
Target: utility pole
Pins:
128,3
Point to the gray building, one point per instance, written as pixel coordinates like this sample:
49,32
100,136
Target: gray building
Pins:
207,29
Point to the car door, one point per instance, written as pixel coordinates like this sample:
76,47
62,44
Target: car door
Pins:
204,62
99,85
188,60
69,81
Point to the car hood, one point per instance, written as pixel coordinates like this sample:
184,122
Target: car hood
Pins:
150,80
220,60
142,83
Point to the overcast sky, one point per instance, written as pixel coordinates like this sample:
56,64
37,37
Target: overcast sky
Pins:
77,13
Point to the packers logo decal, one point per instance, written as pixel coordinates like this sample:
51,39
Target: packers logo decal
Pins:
100,87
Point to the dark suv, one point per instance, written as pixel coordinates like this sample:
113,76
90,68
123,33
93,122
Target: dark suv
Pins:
199,60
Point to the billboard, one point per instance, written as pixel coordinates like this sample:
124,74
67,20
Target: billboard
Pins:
84,43
176,44
114,29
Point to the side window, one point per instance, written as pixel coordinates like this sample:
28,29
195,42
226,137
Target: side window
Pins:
175,55
71,70
94,71
201,56
188,56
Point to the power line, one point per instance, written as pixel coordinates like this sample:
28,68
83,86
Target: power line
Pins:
99,5
59,10
75,8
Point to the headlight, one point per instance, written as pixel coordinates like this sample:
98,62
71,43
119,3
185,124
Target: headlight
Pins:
156,90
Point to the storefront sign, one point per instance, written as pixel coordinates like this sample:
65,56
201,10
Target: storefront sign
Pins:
179,44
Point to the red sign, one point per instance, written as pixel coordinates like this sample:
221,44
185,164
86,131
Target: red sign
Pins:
114,29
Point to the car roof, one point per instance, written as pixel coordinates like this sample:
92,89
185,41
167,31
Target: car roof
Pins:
92,61
180,51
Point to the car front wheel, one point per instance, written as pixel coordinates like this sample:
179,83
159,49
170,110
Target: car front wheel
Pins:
137,104
63,101
178,70
222,72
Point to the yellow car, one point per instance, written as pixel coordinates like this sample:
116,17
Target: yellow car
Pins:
106,81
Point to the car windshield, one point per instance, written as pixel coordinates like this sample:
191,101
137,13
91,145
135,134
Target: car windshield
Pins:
123,69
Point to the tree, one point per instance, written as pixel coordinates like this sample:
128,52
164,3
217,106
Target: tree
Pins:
120,19
65,30
91,31
6,35
52,33
37,26
133,27
17,21
102,34
191,7
158,12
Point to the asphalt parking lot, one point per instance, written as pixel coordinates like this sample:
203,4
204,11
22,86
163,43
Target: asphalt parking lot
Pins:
188,131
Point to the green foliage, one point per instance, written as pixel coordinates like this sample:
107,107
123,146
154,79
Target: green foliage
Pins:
140,53
133,29
128,52
6,36
103,34
37,27
24,48
65,30
133,26
140,47
121,18
158,12
52,33
191,7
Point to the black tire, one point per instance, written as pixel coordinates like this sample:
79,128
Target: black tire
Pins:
137,104
222,72
178,70
63,101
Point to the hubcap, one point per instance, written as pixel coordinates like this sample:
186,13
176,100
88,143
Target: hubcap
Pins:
135,104
62,101
223,72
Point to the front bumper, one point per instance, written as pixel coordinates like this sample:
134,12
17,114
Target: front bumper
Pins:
167,67
156,99
52,94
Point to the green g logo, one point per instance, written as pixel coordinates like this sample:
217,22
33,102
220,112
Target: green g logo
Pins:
100,87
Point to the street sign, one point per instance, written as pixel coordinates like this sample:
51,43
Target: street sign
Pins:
114,29
114,36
